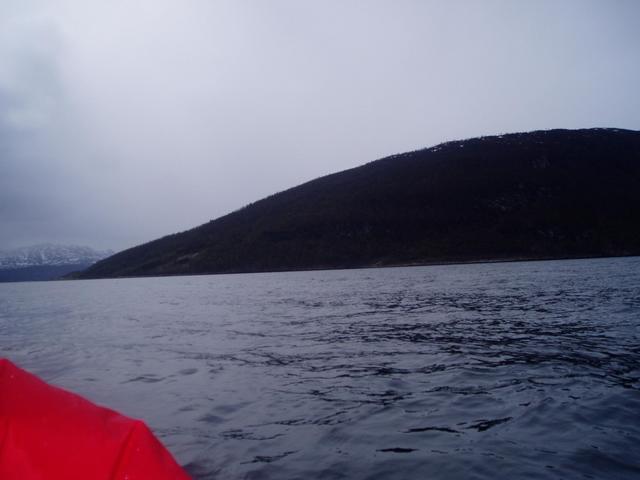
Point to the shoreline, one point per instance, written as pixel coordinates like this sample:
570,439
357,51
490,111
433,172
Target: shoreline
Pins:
435,263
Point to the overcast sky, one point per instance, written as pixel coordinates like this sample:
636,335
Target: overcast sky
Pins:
122,121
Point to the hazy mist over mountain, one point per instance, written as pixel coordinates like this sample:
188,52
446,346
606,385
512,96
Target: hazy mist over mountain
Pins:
124,121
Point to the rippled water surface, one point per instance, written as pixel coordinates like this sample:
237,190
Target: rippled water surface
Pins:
512,370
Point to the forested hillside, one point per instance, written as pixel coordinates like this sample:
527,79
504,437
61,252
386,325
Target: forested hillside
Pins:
543,194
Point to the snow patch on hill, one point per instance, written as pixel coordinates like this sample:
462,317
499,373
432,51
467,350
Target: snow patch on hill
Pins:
50,255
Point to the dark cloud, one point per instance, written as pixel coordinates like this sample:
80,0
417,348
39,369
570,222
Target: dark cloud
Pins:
123,121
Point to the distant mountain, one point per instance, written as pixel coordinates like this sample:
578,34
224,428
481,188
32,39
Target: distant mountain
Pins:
46,262
543,194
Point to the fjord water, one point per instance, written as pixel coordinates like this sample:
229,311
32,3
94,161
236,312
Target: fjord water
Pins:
509,370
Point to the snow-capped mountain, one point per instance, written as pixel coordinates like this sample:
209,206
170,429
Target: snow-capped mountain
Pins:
50,255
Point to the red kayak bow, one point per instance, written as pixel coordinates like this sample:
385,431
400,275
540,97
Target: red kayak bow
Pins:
47,433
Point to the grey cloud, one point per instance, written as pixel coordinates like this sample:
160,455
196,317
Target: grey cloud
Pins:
123,121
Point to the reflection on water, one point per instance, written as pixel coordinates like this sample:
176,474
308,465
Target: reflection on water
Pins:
515,370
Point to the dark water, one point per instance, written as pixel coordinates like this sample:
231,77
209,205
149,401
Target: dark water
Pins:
519,370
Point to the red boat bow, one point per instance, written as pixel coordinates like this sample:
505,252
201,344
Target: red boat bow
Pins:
47,433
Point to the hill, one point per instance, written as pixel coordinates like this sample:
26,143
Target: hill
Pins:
46,262
543,194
